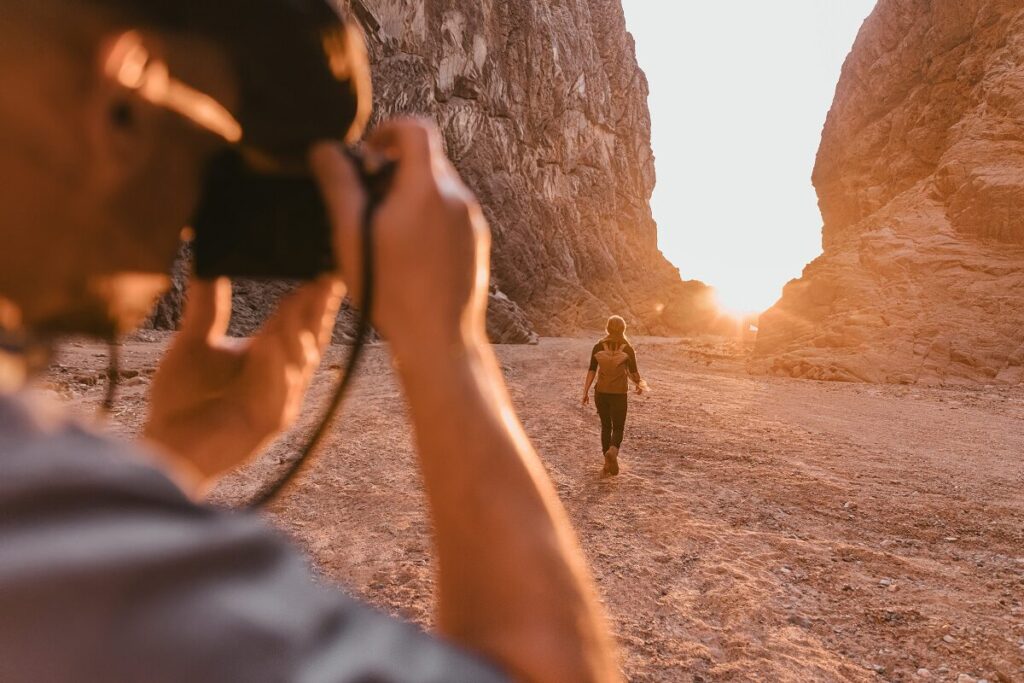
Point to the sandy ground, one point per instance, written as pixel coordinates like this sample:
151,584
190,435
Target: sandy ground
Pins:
762,529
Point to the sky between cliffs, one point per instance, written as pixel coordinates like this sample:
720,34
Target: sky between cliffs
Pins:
739,95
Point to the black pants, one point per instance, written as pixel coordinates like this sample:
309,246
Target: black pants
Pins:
612,409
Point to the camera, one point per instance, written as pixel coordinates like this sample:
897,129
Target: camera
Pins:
251,224
255,225
306,79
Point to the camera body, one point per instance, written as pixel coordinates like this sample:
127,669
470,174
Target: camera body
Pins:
250,224
254,225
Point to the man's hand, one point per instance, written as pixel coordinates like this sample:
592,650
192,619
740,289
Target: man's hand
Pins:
493,509
215,401
586,398
432,244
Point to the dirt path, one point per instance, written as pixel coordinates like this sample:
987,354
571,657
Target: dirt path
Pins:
761,529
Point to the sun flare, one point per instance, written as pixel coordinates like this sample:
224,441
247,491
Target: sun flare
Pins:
736,119
744,300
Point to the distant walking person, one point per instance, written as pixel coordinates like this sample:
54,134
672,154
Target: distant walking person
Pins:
613,363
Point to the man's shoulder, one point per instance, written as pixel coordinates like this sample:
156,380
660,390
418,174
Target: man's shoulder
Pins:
100,547
43,451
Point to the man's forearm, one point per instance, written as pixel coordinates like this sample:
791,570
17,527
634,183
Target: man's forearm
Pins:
513,584
589,381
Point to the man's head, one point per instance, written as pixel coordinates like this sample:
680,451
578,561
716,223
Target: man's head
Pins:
97,184
97,180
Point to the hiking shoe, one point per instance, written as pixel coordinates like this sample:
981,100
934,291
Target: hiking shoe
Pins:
611,460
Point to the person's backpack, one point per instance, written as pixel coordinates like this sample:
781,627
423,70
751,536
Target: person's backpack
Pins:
611,369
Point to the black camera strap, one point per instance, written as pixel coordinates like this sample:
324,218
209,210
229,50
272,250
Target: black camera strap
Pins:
113,376
376,184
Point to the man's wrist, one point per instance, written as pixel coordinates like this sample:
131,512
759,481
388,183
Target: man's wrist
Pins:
181,469
438,353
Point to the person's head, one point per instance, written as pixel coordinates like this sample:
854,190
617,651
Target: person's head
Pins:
97,184
616,329
99,178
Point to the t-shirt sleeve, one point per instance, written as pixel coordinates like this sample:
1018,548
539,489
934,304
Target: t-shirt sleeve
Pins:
593,357
109,574
631,362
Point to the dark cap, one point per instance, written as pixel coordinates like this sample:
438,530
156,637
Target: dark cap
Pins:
301,64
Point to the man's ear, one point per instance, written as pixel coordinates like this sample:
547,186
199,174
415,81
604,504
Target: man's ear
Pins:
122,129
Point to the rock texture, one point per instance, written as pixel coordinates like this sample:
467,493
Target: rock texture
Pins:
920,178
252,301
544,112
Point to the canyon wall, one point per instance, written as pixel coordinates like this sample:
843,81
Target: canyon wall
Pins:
920,179
544,112
543,109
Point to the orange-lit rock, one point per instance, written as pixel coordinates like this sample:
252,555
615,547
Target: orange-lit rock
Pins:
920,179
544,112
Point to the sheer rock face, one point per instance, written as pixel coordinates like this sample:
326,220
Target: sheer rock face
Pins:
920,179
543,110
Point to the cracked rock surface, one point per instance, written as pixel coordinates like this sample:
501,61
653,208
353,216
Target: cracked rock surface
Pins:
920,179
543,109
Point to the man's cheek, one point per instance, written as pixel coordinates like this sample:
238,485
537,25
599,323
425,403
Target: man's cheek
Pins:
128,298
105,306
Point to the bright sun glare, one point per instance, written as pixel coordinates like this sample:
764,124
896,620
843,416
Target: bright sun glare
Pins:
739,94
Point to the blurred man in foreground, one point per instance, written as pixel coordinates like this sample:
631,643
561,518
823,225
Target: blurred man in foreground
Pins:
108,570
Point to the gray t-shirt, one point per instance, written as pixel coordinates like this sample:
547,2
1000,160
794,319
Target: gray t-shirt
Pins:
108,573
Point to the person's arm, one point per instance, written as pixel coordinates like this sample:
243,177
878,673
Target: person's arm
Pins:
591,374
513,584
215,401
634,371
587,384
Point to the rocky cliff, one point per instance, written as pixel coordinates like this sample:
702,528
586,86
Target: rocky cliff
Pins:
920,179
544,112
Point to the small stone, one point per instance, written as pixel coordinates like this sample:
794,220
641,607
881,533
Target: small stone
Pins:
801,621
948,639
965,678
924,673
952,539
885,582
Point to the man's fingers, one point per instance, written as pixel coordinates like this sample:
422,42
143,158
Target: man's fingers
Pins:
322,303
416,144
304,321
207,309
345,198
